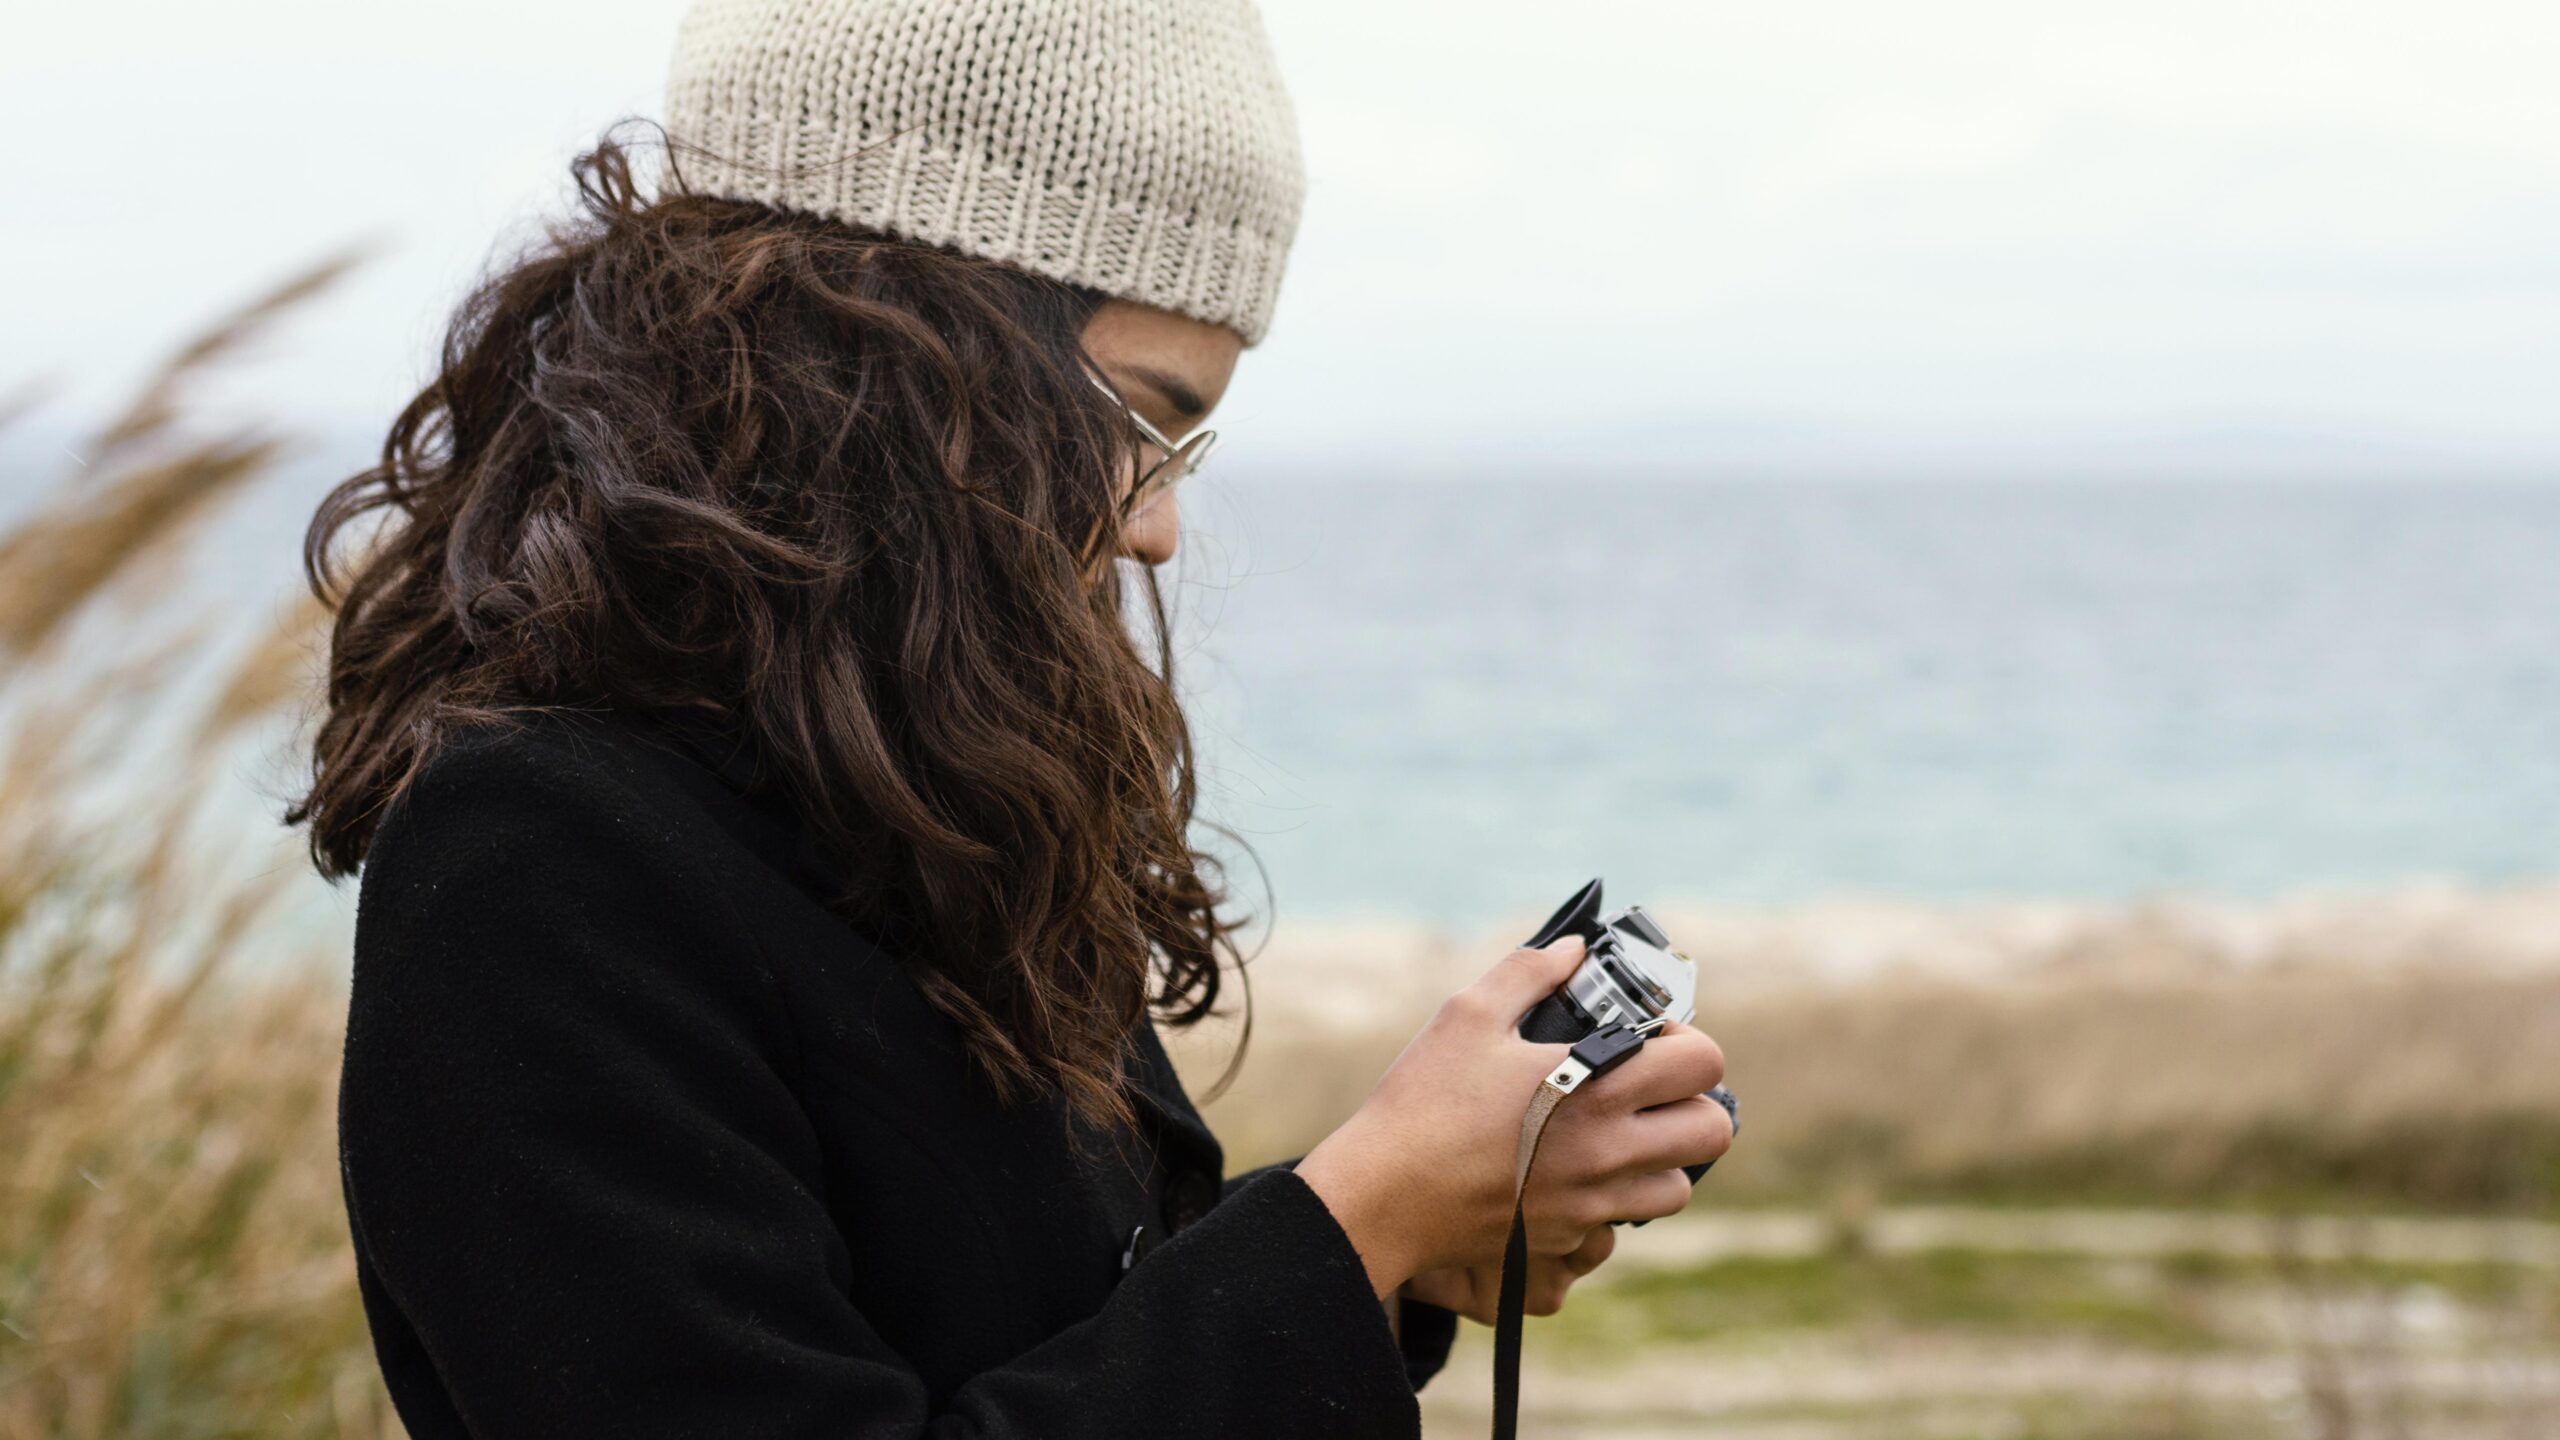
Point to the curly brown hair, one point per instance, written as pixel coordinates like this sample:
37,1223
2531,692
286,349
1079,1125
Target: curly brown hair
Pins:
851,499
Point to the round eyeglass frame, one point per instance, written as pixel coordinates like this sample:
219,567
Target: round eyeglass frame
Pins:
1182,458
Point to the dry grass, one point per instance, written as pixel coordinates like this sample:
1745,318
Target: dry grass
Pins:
2429,1092
141,486
173,1259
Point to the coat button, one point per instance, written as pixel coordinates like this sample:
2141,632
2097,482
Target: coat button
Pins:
1187,1198
1141,1240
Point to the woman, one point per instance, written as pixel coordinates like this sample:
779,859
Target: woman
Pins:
775,842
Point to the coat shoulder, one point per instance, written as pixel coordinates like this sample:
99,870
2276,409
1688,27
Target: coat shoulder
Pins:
560,834
561,768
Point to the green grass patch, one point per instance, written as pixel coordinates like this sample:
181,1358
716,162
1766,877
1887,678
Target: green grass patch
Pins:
1947,1291
2491,1163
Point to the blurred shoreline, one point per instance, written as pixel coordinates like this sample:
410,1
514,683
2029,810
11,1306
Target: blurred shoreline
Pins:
1340,969
2397,1047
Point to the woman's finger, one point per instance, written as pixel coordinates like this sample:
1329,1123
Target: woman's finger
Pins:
1519,980
1551,1277
1554,1237
1594,1250
1691,1130
1546,1292
1650,1197
1681,1061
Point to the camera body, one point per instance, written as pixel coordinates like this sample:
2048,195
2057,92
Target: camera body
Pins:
1629,974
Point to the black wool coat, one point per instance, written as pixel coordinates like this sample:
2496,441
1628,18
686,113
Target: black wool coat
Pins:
638,1139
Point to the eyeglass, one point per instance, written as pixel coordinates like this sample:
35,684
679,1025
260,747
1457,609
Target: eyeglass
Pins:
1181,459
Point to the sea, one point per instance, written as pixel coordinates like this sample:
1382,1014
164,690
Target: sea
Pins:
1453,698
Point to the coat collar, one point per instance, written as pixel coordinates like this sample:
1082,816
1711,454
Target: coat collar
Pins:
1160,1098
765,820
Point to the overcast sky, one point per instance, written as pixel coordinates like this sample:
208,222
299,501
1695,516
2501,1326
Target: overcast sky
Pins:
2320,234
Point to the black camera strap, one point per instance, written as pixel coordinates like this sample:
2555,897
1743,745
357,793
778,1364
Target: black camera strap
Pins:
1594,1054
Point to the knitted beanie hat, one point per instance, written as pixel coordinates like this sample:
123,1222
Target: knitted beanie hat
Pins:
1144,148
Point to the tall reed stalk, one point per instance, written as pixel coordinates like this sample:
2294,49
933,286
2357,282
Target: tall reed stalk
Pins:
173,1261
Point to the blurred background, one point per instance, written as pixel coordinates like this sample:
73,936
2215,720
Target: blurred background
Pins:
2024,531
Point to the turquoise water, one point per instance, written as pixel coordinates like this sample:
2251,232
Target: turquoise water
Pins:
1459,698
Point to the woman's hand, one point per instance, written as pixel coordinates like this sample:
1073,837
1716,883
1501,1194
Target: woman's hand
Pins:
1475,1290
1420,1176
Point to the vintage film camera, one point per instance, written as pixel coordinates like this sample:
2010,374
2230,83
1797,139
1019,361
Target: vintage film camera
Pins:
1629,975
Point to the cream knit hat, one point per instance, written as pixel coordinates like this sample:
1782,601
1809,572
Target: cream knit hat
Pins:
1141,147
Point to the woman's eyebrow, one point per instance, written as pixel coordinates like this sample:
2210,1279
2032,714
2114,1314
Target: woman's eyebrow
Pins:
1185,401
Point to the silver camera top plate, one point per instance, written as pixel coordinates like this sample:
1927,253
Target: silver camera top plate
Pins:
1632,974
